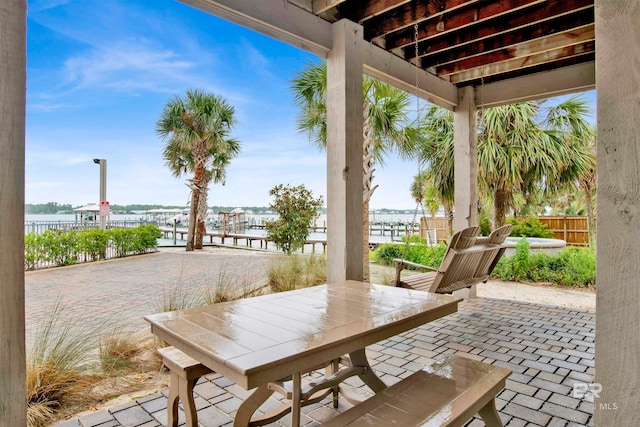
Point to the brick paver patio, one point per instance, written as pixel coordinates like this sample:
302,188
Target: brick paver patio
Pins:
547,348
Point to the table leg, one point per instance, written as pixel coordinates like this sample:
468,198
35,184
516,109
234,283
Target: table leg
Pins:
359,358
250,405
296,399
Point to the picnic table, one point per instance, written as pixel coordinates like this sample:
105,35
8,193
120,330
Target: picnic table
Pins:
268,342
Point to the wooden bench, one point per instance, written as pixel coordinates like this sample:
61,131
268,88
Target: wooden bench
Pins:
185,372
444,394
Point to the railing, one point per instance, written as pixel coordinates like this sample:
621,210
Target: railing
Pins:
41,226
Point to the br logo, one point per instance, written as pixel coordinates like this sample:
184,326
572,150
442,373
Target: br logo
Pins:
580,390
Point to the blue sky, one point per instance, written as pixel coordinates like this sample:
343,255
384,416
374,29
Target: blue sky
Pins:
99,73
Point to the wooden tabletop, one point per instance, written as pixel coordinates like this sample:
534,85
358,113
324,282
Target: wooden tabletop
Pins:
256,340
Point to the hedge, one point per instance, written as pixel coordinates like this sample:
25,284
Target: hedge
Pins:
59,247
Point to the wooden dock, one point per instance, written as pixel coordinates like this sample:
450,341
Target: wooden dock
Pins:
235,238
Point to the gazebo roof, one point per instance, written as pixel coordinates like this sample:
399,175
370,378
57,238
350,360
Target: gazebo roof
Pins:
91,207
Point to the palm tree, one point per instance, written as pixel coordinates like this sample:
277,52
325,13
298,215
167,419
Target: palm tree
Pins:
386,126
570,116
180,162
197,129
518,155
437,153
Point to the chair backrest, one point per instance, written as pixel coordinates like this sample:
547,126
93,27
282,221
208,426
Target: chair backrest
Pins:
469,260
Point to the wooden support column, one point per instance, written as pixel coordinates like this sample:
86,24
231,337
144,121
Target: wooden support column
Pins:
344,154
465,139
13,14
618,258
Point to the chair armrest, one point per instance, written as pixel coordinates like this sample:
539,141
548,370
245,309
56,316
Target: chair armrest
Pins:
413,264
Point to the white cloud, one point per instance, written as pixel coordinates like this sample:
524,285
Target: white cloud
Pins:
42,5
126,66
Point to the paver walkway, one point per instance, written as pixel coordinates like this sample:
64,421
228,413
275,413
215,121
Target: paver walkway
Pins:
548,348
122,291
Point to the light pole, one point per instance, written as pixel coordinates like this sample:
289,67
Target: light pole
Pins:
103,191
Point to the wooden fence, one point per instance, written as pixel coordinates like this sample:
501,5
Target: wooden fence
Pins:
439,224
572,229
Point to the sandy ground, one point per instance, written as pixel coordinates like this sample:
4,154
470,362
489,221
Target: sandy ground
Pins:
542,293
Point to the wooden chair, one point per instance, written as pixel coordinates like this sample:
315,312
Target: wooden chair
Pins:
469,260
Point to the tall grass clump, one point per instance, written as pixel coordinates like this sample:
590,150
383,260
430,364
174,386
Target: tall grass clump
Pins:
118,351
297,271
176,298
59,359
228,288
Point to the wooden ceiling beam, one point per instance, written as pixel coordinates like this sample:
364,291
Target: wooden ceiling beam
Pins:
516,50
450,49
522,62
449,22
565,77
321,6
415,12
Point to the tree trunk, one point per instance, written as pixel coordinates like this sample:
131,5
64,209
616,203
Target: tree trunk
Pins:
13,408
367,169
501,207
448,213
193,216
201,227
365,241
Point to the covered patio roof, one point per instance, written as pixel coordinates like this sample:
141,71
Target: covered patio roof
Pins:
471,54
514,50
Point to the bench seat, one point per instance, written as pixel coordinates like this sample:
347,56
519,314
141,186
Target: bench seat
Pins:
447,393
185,372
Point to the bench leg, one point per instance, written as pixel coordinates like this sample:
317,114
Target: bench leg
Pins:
172,402
189,405
489,414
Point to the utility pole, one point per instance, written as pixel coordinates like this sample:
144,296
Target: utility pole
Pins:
104,204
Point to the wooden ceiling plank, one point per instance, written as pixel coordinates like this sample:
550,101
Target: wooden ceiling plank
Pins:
517,63
448,51
449,22
417,11
371,8
429,34
321,6
517,50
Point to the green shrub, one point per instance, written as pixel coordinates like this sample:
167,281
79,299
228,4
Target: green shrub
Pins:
33,254
296,208
485,224
123,241
385,253
572,266
60,247
417,251
529,227
93,243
